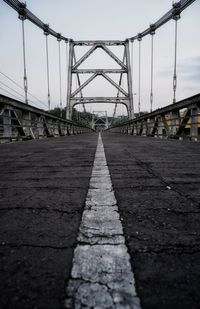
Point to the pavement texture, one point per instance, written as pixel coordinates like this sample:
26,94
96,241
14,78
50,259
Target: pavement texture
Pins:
157,187
43,187
101,275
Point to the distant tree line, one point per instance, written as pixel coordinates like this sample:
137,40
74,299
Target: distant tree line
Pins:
85,118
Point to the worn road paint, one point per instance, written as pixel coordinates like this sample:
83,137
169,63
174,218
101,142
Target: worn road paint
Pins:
101,275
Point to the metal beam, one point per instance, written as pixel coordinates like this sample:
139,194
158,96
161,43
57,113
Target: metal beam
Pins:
84,85
104,42
84,57
90,71
77,74
184,121
69,81
101,99
4,100
186,103
113,56
129,79
114,84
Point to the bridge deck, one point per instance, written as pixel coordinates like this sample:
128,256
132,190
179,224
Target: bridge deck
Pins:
157,186
43,188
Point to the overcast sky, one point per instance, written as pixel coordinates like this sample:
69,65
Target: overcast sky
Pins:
105,19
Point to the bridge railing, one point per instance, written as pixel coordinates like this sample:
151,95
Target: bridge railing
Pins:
178,120
19,121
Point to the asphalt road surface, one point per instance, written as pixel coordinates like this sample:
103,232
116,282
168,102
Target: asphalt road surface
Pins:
157,186
43,186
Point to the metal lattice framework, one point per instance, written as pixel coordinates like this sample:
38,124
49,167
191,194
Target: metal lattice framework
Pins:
101,120
125,68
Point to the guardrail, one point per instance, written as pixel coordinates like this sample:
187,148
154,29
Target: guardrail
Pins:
19,121
179,120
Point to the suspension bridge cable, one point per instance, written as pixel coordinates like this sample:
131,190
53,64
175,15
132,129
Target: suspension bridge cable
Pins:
46,33
30,94
16,97
10,93
152,63
132,74
139,74
151,91
24,59
11,80
60,77
21,8
12,89
132,61
67,64
177,7
176,17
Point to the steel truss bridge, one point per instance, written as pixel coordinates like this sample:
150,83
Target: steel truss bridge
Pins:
124,94
99,220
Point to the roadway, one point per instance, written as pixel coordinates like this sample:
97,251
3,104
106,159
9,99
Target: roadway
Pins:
157,186
43,188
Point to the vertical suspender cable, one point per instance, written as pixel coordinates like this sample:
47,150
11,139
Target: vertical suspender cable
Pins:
47,54
24,59
132,74
175,64
151,92
67,62
132,62
60,77
47,59
176,16
22,16
152,58
139,74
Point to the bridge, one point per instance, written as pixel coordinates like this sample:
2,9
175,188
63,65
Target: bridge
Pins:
99,209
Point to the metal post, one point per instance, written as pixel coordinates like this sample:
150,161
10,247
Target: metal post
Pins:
69,82
130,92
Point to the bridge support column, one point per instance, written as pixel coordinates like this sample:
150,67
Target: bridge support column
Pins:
26,123
194,129
7,128
175,122
69,82
130,91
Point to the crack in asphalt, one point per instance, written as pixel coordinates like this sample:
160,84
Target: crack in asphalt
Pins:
152,172
12,245
40,209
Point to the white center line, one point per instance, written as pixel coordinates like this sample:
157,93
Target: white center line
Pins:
101,275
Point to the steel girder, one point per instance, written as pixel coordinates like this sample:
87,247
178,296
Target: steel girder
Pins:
125,68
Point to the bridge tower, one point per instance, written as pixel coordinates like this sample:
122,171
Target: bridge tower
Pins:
101,121
123,96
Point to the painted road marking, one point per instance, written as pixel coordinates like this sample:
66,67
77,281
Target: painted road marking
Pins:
101,275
